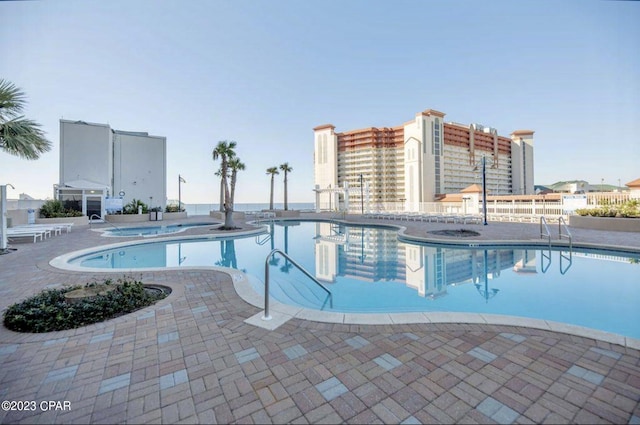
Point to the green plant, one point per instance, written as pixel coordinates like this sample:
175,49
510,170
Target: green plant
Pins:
629,209
173,208
54,208
132,207
49,311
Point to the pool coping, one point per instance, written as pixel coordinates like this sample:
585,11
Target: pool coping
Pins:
282,313
468,242
104,231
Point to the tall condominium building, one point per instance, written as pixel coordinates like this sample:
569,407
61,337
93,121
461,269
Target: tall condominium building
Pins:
421,160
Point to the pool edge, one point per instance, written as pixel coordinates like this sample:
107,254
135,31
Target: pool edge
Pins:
284,312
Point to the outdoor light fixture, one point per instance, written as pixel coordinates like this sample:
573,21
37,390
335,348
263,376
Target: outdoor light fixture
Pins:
485,292
180,181
483,161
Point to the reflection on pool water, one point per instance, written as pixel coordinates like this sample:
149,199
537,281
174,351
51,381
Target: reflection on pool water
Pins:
151,230
369,270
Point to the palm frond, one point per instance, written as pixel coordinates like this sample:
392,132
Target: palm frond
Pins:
12,100
22,137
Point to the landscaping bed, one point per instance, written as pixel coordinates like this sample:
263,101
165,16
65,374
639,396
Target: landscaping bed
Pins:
76,306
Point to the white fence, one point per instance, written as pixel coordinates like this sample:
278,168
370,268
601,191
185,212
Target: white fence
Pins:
595,199
525,208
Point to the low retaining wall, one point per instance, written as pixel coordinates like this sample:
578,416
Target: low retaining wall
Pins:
220,215
127,218
16,217
288,213
605,223
21,217
77,221
174,215
137,218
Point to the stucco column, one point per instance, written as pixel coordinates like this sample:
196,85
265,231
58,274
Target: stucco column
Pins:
3,213
317,191
366,197
346,196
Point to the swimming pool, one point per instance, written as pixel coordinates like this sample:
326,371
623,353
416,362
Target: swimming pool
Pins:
369,270
150,230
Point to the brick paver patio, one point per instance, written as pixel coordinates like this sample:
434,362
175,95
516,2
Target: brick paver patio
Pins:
191,358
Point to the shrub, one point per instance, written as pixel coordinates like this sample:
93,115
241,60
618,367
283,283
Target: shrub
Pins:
627,209
132,207
49,311
54,208
173,208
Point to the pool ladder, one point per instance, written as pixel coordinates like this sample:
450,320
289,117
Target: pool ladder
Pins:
103,220
267,316
545,232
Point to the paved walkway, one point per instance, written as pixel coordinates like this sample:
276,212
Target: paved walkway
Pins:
191,358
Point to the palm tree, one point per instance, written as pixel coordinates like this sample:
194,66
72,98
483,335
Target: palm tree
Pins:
235,165
273,171
19,136
286,169
225,151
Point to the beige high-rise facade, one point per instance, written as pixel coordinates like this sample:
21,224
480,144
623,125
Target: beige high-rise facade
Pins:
421,160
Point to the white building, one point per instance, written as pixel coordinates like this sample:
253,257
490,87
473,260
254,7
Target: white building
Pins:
98,163
420,161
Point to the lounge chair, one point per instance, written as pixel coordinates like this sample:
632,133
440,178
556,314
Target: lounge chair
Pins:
18,233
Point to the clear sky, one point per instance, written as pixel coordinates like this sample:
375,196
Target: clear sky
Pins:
264,73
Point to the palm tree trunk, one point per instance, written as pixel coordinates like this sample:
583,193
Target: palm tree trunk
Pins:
271,198
221,195
286,204
228,202
234,176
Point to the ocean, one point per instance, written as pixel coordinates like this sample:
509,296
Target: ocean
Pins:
203,209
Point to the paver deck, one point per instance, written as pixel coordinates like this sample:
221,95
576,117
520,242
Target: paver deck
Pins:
191,358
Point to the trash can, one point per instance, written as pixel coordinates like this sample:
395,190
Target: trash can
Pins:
9,222
31,216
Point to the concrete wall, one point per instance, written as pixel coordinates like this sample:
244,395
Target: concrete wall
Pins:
17,217
292,213
77,221
325,158
140,168
86,152
138,218
20,217
220,215
605,223
127,218
414,159
522,163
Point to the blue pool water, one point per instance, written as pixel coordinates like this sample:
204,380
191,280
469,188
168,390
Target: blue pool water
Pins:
369,270
151,230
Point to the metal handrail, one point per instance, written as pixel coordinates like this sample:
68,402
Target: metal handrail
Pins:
103,220
568,258
543,221
563,224
266,280
260,241
91,219
340,213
